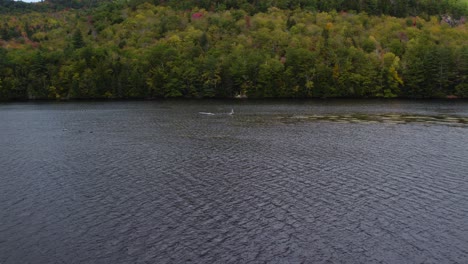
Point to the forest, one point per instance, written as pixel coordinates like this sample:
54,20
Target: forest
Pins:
61,50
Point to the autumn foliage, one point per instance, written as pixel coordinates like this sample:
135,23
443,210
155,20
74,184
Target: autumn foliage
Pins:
151,49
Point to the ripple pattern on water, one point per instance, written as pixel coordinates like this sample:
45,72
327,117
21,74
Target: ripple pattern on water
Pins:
152,182
382,118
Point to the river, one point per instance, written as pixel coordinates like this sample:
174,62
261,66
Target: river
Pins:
331,181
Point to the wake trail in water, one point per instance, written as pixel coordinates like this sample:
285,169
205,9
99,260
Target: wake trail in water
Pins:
212,114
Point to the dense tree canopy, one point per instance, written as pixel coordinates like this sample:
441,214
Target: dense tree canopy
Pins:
275,48
400,8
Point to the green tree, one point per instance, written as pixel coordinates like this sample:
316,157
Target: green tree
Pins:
77,39
390,78
162,78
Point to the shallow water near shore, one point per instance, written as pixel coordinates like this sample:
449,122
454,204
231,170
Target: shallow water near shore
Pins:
335,181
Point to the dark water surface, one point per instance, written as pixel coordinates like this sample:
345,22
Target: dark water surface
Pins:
277,182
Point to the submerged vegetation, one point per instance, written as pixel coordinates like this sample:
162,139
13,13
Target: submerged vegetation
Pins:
273,48
381,118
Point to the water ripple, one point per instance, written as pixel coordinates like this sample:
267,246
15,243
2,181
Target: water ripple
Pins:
154,182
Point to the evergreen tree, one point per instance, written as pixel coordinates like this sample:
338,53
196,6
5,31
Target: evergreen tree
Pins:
77,39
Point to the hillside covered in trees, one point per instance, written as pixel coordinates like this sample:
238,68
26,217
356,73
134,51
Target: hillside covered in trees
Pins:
60,49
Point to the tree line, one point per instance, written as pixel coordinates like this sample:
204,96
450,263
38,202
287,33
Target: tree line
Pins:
399,8
146,49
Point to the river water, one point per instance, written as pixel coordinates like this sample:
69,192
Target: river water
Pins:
276,182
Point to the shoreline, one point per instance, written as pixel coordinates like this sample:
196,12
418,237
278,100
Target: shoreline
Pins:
291,99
